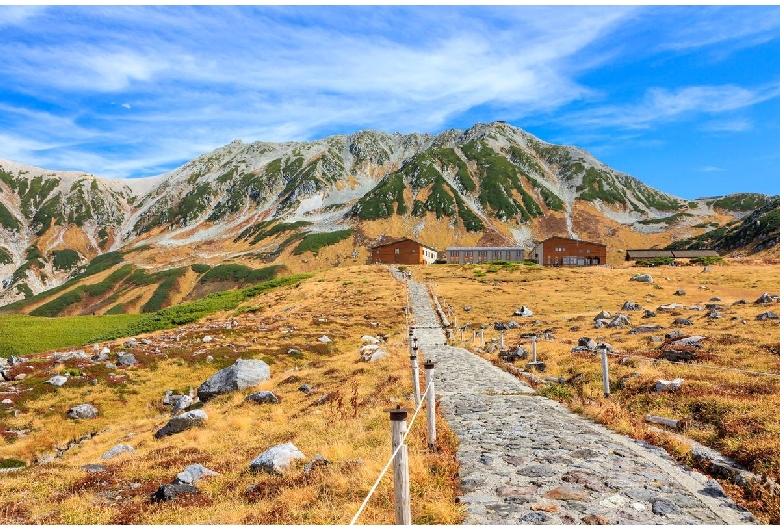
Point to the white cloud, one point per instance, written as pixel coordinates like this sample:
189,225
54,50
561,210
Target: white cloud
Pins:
712,169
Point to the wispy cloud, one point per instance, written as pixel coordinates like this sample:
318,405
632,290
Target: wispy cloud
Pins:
711,169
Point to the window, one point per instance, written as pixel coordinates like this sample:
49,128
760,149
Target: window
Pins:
414,250
587,251
397,251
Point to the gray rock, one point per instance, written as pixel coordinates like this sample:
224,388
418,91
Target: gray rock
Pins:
644,278
57,380
587,342
369,339
649,314
83,412
664,507
694,341
603,315
523,312
662,385
645,329
619,321
105,351
656,339
277,459
767,316
673,335
766,299
317,461
117,450
126,360
306,389
670,307
467,308
679,292
535,517
207,339
192,474
630,306
93,468
146,342
169,492
266,396
374,356
130,343
100,357
180,403
537,470
714,314
182,422
715,299
741,301
324,339
238,376
110,366
682,322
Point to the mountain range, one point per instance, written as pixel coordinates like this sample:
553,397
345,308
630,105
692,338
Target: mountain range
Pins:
307,205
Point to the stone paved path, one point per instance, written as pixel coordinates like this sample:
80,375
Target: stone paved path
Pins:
526,459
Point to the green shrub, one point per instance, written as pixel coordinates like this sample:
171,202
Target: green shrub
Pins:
65,260
706,260
58,305
557,392
654,262
118,309
240,273
108,283
24,289
314,242
7,219
11,463
200,268
5,257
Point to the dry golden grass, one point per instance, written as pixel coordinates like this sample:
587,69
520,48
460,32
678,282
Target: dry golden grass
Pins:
350,428
735,413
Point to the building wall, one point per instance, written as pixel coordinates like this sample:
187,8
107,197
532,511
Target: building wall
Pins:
483,254
562,252
405,252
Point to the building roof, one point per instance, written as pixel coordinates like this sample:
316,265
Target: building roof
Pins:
485,248
694,253
649,253
575,241
399,240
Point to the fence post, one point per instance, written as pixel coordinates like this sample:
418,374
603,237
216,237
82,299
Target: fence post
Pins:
473,336
431,410
533,347
415,373
605,369
482,336
403,510
501,334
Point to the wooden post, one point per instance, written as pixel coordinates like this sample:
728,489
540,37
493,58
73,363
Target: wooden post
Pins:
473,335
533,348
461,333
501,334
482,336
415,374
431,409
403,510
605,370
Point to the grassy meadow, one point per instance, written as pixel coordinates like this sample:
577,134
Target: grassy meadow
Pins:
342,419
724,408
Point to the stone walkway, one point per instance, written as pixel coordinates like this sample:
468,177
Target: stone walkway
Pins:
525,459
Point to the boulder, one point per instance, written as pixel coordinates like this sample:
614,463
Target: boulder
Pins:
587,342
670,307
645,329
83,412
631,306
714,314
192,474
180,403
207,339
644,278
324,339
238,376
130,343
306,389
373,355
619,321
105,351
182,422
57,380
169,492
673,335
679,292
266,396
603,315
767,316
126,360
766,299
694,341
369,339
672,386
523,312
682,322
277,459
117,450
649,314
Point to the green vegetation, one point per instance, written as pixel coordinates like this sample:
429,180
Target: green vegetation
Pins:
65,260
439,200
106,284
5,257
706,260
118,309
599,184
7,219
314,242
740,202
50,210
190,312
200,268
33,192
471,221
160,295
261,231
240,273
11,463
102,263
666,220
58,305
379,202
654,262
22,335
24,289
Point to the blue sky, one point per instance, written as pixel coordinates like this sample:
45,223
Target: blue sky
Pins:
687,99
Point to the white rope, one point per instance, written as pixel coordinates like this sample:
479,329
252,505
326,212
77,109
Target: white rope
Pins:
392,457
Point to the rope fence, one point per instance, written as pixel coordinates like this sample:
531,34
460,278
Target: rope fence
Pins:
392,457
694,365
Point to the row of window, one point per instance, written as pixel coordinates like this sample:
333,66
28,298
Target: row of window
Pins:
563,249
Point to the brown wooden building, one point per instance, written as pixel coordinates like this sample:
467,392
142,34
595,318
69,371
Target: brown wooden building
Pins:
565,252
403,251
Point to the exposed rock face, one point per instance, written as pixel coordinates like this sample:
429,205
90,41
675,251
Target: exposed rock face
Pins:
238,376
277,459
83,412
182,422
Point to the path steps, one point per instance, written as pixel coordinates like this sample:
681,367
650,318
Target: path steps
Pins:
525,459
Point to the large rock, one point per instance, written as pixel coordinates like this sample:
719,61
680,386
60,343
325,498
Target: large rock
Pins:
117,450
662,385
238,376
767,316
670,307
182,422
766,299
266,396
59,380
193,473
644,278
169,492
619,321
523,312
277,459
83,412
631,306
126,360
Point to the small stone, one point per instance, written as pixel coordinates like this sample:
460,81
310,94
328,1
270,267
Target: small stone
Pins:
266,396
664,507
130,343
535,517
551,508
317,461
594,519
93,468
562,493
126,360
306,389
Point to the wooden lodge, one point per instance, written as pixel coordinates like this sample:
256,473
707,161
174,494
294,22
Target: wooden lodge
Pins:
403,252
566,252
